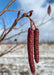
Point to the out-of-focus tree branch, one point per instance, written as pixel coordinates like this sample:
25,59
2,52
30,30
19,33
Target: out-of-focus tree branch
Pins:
15,35
15,10
4,27
10,50
7,51
42,23
19,26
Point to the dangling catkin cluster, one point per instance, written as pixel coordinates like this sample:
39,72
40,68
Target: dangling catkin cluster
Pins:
33,38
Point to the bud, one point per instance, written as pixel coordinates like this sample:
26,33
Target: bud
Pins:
31,12
18,14
49,10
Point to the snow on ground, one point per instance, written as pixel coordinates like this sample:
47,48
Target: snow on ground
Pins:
17,61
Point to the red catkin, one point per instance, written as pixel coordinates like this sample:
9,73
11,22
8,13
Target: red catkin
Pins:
49,10
36,45
30,49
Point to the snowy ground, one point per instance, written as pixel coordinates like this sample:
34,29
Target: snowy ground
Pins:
16,63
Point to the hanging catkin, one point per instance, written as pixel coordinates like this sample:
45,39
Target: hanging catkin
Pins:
49,9
30,49
36,45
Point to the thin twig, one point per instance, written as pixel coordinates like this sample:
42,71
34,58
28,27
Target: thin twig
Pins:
45,22
3,28
17,48
15,10
5,9
9,50
44,18
15,35
19,26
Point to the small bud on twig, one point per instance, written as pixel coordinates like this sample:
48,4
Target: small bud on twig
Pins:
49,9
18,14
31,12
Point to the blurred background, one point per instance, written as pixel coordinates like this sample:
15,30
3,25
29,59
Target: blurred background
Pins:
13,49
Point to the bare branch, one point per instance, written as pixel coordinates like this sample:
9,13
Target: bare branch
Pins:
3,27
45,22
15,35
10,50
17,49
21,25
15,10
5,9
7,51
44,18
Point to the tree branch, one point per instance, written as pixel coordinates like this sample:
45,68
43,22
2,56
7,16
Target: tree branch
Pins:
10,50
45,22
15,10
3,28
19,26
15,35
5,9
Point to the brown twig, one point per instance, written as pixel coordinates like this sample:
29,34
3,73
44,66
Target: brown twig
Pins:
15,10
5,9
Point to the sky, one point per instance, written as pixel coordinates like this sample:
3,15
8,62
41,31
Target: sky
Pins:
40,10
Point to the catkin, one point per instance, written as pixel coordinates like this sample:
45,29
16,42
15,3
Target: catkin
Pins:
36,45
30,49
49,9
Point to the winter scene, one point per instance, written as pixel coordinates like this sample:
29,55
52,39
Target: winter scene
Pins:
26,37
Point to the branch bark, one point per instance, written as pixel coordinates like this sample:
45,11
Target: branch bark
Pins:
6,8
